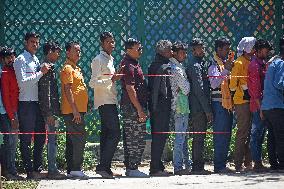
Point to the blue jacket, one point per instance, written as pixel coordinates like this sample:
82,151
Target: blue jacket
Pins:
273,94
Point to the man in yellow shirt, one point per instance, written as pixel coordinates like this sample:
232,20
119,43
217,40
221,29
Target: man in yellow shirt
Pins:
239,91
74,106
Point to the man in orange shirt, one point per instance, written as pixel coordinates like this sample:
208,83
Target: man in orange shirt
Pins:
74,106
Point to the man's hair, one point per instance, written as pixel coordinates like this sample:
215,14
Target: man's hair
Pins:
262,44
178,45
51,46
195,42
221,42
6,51
281,45
105,35
130,42
30,35
69,45
163,45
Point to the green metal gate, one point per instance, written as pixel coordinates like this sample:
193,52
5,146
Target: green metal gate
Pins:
149,21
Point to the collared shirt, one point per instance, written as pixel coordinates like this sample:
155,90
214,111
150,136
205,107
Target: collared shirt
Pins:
2,109
10,91
71,74
133,75
216,77
256,74
273,93
27,69
102,72
238,82
179,82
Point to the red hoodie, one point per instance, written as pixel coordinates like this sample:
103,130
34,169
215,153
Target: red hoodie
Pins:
9,91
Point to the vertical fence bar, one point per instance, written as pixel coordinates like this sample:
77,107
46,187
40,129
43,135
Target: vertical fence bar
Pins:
279,12
2,21
141,26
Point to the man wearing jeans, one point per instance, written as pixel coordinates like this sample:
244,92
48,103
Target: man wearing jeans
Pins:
28,72
221,102
273,103
180,107
49,104
10,96
74,104
256,75
105,99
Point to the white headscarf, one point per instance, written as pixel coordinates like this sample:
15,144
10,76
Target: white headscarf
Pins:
246,44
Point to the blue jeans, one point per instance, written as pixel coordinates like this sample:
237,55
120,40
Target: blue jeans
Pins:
10,144
223,120
51,149
257,136
180,143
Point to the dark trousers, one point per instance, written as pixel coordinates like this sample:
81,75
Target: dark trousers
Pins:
75,142
275,118
160,121
31,120
199,124
109,136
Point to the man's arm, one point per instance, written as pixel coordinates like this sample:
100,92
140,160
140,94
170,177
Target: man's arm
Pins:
216,77
67,89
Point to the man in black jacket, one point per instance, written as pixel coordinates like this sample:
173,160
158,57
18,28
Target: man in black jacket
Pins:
160,104
199,100
49,104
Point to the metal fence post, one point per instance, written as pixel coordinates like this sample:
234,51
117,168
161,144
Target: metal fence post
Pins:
141,25
279,22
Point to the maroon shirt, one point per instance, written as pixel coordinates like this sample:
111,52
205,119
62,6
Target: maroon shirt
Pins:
133,75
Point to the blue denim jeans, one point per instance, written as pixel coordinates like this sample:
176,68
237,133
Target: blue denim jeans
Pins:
257,136
51,149
10,144
223,121
180,154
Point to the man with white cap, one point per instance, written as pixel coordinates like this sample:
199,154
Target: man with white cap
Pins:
240,95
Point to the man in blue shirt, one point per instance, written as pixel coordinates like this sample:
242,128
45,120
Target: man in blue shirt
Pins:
273,102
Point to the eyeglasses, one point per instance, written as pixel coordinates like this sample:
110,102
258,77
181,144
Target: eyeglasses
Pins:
138,49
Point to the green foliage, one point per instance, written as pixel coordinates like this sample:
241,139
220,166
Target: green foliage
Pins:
27,184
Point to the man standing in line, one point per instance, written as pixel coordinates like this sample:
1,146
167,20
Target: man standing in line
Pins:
133,108
222,105
160,104
105,99
49,104
73,107
256,75
240,95
273,103
10,96
28,72
199,100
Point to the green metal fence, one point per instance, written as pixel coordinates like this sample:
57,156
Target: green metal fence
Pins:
149,21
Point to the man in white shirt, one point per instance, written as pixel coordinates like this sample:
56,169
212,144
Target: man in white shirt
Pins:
105,100
28,72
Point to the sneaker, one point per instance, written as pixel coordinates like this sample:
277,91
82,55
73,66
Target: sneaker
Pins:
105,174
77,174
135,173
56,176
160,174
182,172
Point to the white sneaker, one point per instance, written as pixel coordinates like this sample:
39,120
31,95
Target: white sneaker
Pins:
135,173
79,174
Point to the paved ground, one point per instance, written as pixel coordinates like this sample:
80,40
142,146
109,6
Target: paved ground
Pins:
213,181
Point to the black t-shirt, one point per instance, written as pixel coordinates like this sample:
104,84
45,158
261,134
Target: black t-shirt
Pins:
133,75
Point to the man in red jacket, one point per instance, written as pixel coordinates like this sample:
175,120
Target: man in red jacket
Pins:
10,98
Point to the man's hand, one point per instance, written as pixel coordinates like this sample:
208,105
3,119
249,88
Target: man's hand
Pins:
209,117
50,120
44,69
228,65
15,124
76,117
142,117
116,77
261,115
